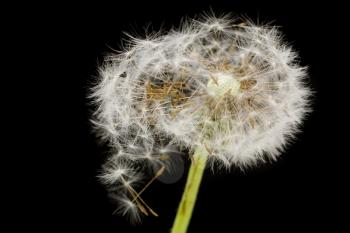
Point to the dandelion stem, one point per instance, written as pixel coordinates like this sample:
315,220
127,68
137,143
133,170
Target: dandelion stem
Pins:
189,195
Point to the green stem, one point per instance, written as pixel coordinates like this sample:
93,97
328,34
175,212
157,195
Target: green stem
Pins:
189,195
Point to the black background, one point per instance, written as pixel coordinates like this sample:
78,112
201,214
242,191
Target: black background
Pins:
303,190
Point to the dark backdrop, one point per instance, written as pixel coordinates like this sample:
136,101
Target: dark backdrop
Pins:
303,190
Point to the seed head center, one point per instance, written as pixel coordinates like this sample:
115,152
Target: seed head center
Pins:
221,84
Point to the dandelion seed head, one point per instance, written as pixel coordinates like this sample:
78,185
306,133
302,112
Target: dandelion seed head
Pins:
233,88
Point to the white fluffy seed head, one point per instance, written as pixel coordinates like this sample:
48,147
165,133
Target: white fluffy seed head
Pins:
234,88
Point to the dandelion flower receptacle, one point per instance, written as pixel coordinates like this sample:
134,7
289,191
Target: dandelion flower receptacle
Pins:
231,93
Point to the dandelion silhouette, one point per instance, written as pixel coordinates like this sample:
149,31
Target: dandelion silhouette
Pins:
229,92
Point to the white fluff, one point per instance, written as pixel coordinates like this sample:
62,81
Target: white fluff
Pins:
235,89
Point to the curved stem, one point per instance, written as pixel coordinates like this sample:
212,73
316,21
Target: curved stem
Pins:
189,195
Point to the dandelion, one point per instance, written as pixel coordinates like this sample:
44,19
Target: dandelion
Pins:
229,92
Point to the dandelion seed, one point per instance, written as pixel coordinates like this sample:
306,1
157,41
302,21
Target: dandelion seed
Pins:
128,209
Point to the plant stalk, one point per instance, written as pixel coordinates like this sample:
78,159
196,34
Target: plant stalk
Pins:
189,195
